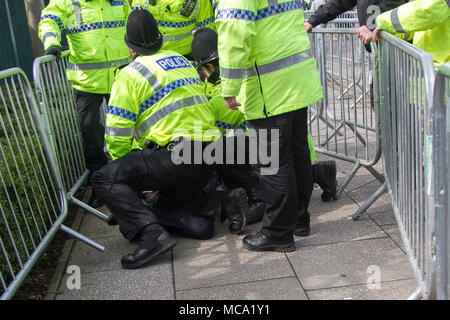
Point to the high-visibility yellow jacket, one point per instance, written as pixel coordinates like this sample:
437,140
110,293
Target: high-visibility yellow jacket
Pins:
157,98
175,27
426,22
225,118
265,57
95,34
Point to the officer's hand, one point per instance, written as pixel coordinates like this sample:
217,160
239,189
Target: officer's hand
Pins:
364,34
232,103
308,26
55,51
376,35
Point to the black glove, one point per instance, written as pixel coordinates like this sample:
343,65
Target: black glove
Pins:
55,51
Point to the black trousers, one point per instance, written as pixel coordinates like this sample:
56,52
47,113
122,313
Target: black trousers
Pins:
287,192
118,183
88,112
235,174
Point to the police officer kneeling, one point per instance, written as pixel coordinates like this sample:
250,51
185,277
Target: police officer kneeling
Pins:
158,99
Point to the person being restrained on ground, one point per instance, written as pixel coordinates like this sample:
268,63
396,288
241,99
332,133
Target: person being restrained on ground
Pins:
158,99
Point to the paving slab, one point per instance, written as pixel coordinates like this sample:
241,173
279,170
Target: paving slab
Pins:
90,260
392,290
361,195
155,283
95,228
274,289
359,181
394,234
221,235
226,263
343,203
383,218
337,226
346,263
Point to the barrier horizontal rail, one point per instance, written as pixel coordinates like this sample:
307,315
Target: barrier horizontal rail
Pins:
57,107
441,158
347,19
351,14
406,78
32,204
344,123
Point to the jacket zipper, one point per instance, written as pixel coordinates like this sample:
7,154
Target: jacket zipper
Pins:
260,88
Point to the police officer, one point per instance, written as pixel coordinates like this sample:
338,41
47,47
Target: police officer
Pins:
158,99
267,70
426,23
95,31
204,52
177,19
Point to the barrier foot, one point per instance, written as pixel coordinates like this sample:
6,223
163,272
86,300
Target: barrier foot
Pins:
82,238
369,202
347,179
89,209
416,295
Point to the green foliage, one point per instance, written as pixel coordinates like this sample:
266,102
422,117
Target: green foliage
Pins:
29,200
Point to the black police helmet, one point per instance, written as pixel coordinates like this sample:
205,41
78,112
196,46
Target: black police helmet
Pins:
143,36
204,46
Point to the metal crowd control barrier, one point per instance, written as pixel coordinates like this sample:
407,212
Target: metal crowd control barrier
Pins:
32,204
347,19
57,107
441,164
344,123
406,79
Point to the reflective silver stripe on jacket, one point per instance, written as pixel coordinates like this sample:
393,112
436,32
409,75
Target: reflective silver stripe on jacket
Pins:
77,10
119,132
396,22
98,65
165,111
147,74
49,34
237,73
284,63
266,68
272,3
177,37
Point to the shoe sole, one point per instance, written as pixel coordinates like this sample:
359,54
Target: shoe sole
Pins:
166,246
243,202
302,234
277,248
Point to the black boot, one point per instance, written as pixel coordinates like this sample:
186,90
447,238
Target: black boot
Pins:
324,174
111,221
154,241
235,208
261,241
256,205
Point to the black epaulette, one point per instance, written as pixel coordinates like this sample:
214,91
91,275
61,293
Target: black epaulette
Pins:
188,8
